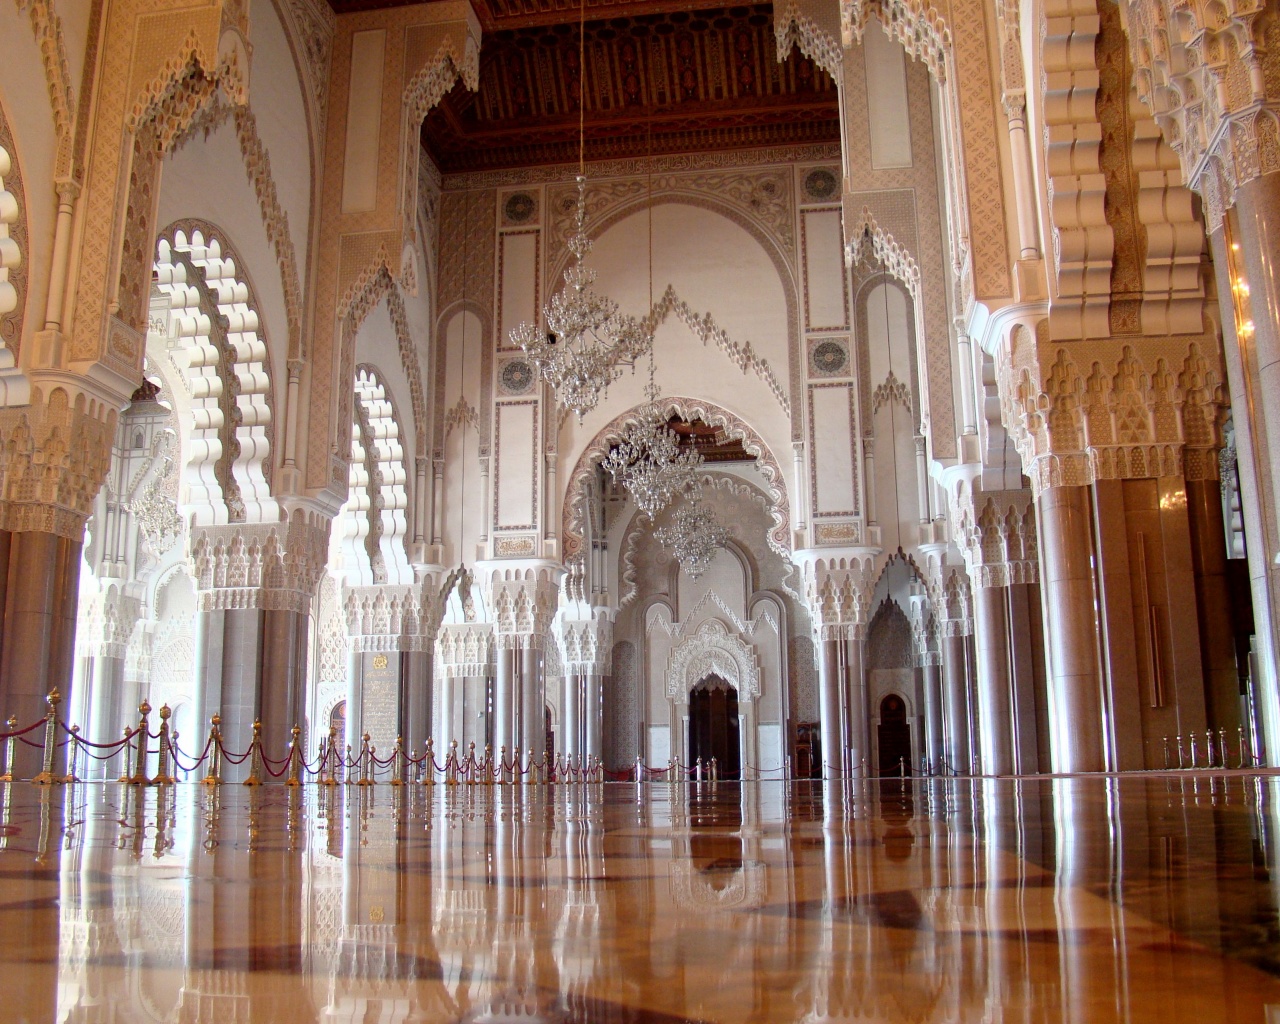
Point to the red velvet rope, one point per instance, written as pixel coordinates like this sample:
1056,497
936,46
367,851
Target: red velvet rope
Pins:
22,732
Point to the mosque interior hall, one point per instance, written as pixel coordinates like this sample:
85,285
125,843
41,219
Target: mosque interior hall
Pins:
622,511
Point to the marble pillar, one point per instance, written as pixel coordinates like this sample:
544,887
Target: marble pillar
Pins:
991,643
1243,350
593,715
108,716
955,687
415,698
1213,597
858,720
931,683
1075,707
208,683
38,645
504,707
284,673
533,702
569,742
829,708
241,668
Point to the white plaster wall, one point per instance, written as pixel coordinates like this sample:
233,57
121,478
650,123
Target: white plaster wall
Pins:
718,268
277,103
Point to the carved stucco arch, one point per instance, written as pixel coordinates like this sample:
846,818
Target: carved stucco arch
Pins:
773,247
713,650
13,251
462,412
573,517
241,364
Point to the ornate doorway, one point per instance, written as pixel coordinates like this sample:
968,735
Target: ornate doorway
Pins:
713,726
894,735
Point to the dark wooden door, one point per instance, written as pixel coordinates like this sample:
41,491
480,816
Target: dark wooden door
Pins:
894,735
713,727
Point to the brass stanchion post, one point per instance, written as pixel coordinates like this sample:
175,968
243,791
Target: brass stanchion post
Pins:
295,758
213,777
429,764
255,757
397,763
366,755
12,723
47,776
74,742
331,758
139,776
164,775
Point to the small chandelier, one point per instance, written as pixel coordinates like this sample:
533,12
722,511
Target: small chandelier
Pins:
694,537
649,460
587,341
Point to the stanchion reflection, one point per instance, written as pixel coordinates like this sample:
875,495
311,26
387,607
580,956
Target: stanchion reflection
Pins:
935,899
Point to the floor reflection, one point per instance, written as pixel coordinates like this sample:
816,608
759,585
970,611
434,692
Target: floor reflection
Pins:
1059,900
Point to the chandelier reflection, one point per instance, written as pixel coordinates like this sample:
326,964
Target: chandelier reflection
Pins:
694,536
586,341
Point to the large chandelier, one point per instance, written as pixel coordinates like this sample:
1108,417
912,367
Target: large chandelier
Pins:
650,462
586,341
694,537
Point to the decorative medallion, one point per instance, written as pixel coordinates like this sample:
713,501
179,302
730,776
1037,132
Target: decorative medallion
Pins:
379,661
519,208
829,359
515,377
820,184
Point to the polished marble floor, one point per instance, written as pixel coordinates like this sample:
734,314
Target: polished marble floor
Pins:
1063,900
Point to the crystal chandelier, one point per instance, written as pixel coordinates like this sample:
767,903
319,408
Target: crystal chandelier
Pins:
649,461
694,537
587,341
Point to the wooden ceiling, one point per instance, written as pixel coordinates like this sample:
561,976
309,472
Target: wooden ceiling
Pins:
661,77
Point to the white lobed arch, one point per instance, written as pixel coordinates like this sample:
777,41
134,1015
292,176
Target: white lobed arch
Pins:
213,331
375,517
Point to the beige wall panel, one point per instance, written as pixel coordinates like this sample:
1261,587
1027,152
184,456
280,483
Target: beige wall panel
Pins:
516,465
888,116
518,295
826,286
832,440
364,113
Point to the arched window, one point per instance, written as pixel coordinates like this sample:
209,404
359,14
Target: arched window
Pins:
213,329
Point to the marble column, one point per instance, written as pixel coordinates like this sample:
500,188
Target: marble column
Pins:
569,741
593,715
829,707
415,699
533,700
504,697
1075,708
208,683
1213,595
931,683
41,588
955,683
284,668
1248,345
991,643
858,737
106,710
